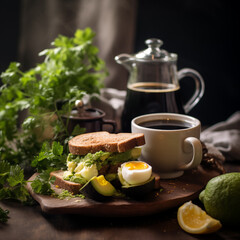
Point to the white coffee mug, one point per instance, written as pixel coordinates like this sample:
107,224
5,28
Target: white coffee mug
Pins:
172,142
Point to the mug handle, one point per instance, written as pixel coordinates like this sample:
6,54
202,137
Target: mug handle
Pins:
199,90
109,122
192,144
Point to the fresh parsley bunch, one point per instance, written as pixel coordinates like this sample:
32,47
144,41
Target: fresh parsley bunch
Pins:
71,69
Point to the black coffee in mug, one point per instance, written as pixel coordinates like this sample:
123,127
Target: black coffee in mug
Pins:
170,151
166,124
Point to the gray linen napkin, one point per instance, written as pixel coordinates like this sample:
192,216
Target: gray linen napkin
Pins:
225,136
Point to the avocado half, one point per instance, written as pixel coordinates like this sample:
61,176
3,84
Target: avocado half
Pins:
98,188
136,191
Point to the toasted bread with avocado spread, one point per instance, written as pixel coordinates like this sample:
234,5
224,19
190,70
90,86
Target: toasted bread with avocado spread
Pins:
104,141
97,153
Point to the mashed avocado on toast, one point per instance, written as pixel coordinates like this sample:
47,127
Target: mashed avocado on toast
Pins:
82,168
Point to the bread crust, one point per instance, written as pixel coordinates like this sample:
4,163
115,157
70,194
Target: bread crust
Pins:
67,185
108,142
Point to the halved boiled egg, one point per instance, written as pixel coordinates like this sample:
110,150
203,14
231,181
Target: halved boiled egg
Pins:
135,172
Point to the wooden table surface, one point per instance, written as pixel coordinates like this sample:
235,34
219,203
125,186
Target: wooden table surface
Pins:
29,222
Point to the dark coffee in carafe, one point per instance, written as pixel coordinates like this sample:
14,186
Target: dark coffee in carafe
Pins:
153,84
150,97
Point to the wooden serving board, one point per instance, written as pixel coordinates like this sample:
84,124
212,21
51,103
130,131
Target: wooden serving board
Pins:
174,193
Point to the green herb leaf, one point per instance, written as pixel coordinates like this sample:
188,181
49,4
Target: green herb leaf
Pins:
4,172
16,176
50,157
57,148
41,184
12,183
78,130
3,215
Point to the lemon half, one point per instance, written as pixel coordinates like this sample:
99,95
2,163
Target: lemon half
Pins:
194,220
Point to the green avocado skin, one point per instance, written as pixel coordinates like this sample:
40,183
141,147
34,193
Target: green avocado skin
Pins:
91,191
137,191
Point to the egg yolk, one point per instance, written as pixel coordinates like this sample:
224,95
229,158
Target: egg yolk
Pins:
136,165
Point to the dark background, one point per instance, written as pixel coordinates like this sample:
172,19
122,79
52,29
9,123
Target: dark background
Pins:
9,31
204,34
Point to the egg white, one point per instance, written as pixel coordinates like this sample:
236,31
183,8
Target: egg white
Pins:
87,172
136,176
79,167
71,166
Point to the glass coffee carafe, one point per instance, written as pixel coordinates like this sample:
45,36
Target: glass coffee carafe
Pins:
153,85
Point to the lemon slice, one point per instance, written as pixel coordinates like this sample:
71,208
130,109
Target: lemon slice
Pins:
193,219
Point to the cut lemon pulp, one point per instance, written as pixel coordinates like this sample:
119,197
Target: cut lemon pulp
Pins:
193,219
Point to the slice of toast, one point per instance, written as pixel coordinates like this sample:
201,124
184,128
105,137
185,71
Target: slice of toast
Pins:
75,187
67,185
108,142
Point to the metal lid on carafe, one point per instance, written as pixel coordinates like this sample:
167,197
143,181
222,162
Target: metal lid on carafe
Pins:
154,53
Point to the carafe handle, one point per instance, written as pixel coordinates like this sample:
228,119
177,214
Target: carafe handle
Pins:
199,90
